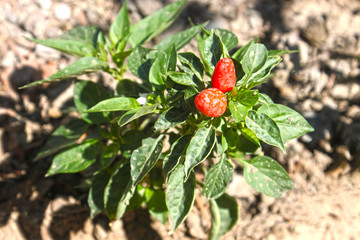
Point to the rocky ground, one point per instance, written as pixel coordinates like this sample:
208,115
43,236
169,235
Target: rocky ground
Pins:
322,82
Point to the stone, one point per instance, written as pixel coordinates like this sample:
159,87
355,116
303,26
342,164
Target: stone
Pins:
354,91
9,59
321,83
340,91
354,112
315,32
62,11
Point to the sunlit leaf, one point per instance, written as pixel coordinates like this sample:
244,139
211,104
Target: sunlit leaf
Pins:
86,95
199,148
115,104
136,113
224,211
120,28
144,158
265,175
118,192
262,74
228,38
290,122
254,58
152,25
217,179
239,54
64,136
139,64
265,129
96,194
177,151
171,118
81,66
180,196
75,159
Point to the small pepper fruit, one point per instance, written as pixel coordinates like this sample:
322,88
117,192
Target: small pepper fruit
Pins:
224,77
211,102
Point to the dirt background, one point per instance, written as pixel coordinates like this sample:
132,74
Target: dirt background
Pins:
321,82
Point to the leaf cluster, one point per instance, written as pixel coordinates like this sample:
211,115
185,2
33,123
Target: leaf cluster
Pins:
121,136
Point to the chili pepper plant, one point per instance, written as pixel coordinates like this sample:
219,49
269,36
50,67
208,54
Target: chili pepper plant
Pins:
145,143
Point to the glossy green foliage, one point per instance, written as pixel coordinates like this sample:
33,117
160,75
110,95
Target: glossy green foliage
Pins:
142,142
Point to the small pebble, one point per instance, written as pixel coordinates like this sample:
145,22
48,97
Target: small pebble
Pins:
62,11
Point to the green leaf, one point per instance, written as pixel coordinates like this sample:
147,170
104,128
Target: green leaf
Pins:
115,104
118,192
262,74
228,38
79,41
265,99
138,199
109,154
85,34
265,129
137,113
191,61
157,206
171,118
108,42
245,146
190,92
213,51
96,194
215,221
75,159
145,157
101,51
165,61
239,54
290,122
79,67
224,211
230,137
119,58
265,175
281,52
157,72
86,95
152,25
254,58
139,64
63,137
182,78
199,148
179,39
248,98
171,58
180,196
130,88
220,148
177,151
120,28
238,111
240,74
132,140
217,179
250,135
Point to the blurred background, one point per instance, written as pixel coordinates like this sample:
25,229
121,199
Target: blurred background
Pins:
321,81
